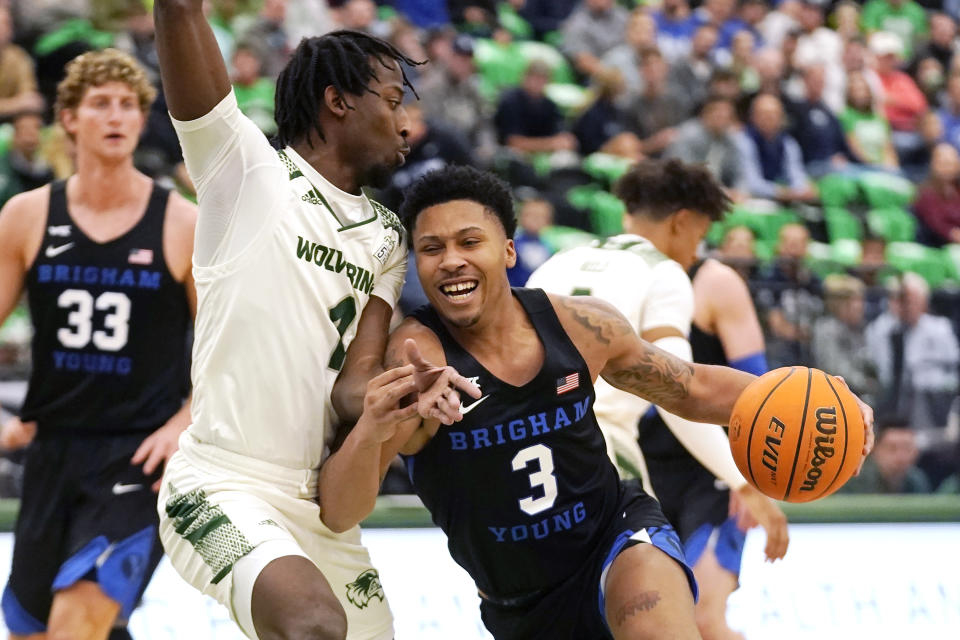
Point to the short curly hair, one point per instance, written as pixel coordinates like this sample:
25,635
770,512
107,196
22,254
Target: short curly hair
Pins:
658,188
459,183
97,68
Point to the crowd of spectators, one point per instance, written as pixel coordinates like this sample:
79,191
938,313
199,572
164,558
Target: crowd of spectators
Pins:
833,125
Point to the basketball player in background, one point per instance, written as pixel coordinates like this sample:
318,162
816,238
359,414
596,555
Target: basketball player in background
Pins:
294,266
670,206
710,517
532,506
105,260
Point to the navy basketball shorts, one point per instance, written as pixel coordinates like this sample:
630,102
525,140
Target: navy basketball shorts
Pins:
697,504
574,609
86,514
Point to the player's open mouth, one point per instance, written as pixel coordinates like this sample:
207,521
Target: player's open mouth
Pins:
458,291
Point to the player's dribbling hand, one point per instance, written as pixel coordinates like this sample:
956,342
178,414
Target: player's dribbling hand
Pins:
750,507
16,434
868,436
382,414
437,387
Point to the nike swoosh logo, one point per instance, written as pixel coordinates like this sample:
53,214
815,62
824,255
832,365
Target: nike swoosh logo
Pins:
465,410
53,252
120,489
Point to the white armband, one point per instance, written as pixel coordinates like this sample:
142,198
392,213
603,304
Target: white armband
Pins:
707,443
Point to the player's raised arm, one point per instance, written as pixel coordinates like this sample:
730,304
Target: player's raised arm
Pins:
612,348
194,76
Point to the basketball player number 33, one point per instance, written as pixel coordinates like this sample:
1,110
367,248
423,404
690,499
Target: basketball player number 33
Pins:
541,477
79,330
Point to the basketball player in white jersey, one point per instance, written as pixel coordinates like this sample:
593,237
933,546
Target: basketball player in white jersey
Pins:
292,263
670,206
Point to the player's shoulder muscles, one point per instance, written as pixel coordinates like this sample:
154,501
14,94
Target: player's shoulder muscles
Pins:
733,316
614,350
22,221
595,326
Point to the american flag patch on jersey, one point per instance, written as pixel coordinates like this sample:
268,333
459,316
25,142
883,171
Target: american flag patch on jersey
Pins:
140,256
569,383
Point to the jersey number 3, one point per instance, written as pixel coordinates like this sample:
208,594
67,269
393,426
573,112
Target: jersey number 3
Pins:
542,477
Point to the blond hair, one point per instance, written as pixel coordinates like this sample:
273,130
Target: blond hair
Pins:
97,68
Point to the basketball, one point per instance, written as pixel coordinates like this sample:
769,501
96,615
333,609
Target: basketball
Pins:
796,434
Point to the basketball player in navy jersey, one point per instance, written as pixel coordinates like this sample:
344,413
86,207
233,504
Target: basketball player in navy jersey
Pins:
522,486
105,260
709,517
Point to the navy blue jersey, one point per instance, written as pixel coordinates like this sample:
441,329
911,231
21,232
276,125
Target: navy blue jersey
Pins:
522,486
110,327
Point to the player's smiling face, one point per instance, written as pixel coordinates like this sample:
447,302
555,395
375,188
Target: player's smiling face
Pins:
462,257
108,120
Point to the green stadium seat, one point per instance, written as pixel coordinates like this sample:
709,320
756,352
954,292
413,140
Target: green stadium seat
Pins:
530,50
842,225
581,195
887,191
763,250
893,225
820,259
568,97
838,190
606,214
560,238
951,261
846,252
605,167
511,21
926,261
498,65
716,232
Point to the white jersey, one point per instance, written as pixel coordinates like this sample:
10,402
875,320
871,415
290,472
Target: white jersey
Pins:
647,287
284,264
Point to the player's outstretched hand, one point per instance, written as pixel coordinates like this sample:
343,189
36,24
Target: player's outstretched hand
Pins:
867,414
16,434
437,387
382,414
160,446
751,508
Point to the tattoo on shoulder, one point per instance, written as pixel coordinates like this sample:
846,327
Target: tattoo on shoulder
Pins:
605,325
644,601
657,375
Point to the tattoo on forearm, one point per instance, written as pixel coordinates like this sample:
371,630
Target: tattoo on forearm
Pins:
644,601
604,325
657,375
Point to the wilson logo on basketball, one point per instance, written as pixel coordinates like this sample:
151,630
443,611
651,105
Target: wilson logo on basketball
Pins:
826,425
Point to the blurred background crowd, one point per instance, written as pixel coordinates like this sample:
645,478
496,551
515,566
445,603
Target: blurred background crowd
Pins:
834,126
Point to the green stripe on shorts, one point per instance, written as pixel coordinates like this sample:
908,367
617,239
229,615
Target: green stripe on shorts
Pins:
208,529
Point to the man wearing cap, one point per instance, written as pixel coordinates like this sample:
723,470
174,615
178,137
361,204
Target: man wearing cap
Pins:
449,93
903,102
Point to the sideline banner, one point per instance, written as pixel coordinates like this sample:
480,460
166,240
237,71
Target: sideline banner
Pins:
878,581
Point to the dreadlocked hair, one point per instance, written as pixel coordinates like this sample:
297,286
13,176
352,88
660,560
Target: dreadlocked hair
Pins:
341,59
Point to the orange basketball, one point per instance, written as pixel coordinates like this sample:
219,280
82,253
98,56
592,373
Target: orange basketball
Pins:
796,434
